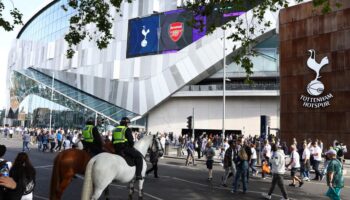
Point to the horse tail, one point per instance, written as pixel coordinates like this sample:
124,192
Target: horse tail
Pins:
87,187
55,179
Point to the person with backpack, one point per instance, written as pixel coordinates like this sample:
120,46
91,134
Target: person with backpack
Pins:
242,167
340,152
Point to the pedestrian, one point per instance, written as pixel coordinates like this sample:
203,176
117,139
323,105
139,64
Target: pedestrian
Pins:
295,166
316,153
45,140
305,163
253,160
229,165
209,154
59,138
26,140
278,170
24,173
242,167
335,178
190,151
52,141
153,158
266,156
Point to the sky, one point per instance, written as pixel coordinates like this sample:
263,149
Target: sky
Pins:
27,8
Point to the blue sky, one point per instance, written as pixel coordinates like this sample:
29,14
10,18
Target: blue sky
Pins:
28,8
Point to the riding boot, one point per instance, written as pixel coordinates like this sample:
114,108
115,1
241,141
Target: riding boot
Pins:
138,162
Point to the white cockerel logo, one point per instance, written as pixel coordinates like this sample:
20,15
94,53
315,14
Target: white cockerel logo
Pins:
144,33
315,87
312,64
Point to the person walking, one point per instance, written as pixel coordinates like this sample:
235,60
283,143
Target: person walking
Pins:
242,168
317,158
305,163
153,158
335,178
253,160
190,150
209,154
59,138
26,140
229,165
295,166
278,170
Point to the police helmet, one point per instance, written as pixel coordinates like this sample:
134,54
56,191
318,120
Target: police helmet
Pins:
90,121
124,121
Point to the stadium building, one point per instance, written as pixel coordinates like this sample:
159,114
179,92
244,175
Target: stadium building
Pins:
156,71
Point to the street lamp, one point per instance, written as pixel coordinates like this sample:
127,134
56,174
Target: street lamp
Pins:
224,88
52,86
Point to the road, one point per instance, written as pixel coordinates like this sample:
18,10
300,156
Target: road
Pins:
176,181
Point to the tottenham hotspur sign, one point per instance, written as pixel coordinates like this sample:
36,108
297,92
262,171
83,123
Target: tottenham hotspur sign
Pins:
315,88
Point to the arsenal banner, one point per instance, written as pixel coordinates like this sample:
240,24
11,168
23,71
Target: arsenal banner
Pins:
175,33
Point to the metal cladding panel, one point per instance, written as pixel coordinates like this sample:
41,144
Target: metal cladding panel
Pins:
155,77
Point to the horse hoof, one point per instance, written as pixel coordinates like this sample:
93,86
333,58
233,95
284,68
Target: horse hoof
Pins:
140,198
130,197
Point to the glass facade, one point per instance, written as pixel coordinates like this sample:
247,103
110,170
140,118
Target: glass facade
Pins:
71,107
50,24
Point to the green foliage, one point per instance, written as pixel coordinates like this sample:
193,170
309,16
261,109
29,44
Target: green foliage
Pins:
16,18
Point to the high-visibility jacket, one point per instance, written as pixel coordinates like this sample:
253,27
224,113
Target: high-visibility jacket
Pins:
119,135
87,133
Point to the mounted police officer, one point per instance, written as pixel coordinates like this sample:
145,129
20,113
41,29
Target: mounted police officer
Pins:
92,141
123,143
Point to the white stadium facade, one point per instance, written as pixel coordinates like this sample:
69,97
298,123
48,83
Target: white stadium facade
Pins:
156,71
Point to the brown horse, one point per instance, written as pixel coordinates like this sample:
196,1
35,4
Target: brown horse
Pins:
68,163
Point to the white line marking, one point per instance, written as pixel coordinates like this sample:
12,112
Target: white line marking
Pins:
40,197
44,166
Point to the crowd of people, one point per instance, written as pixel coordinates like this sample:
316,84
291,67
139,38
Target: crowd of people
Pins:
241,157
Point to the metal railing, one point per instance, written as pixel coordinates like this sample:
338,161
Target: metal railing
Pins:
232,86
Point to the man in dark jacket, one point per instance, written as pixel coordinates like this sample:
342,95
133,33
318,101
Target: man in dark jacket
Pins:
123,143
92,141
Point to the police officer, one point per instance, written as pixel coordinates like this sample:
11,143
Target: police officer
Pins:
123,143
92,141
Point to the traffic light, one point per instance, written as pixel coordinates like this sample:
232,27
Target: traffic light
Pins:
189,122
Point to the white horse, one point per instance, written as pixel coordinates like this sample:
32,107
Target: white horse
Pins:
105,167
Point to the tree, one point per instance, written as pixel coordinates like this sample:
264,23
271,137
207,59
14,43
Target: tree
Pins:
15,15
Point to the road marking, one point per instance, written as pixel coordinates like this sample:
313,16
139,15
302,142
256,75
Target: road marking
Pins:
40,197
44,166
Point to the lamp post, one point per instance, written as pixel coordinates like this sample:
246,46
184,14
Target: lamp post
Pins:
224,88
52,86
